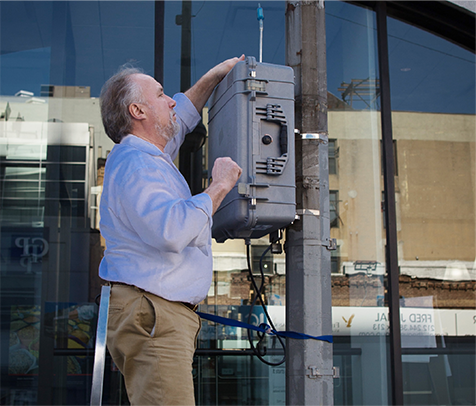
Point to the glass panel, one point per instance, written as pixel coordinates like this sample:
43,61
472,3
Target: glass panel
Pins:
333,155
360,314
241,378
54,58
220,30
66,153
433,101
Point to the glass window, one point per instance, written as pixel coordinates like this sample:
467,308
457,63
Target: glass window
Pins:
237,375
220,30
334,207
55,57
433,102
333,155
358,285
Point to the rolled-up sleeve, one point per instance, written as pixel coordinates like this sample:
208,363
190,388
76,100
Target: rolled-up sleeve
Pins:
188,117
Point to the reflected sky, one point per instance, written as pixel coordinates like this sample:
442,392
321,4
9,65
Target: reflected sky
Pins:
427,73
221,30
351,40
84,43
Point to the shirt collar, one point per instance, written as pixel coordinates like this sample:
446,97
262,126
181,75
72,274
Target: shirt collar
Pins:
142,145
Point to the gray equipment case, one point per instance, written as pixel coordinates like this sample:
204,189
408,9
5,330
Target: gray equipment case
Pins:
251,120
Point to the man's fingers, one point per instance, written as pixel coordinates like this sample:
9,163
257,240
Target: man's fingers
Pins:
226,66
225,169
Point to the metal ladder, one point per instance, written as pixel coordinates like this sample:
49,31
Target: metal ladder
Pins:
100,350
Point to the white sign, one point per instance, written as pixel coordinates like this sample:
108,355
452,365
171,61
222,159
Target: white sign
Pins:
419,325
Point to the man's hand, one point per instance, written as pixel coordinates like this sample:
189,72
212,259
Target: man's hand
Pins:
201,91
221,70
225,174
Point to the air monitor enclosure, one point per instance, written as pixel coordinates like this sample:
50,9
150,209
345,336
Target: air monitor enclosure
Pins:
251,120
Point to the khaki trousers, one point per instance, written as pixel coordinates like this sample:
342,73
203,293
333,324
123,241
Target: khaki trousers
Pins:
152,341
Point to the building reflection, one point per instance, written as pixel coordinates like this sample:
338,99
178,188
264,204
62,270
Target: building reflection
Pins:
53,156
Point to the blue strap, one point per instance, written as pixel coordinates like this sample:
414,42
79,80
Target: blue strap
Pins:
268,330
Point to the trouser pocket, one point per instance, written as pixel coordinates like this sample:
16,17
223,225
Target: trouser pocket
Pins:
147,315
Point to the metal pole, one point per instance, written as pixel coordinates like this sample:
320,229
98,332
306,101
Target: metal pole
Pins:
159,42
309,364
261,28
190,155
186,46
390,210
100,349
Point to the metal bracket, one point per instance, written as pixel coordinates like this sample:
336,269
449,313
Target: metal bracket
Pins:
332,246
312,212
314,372
329,243
323,136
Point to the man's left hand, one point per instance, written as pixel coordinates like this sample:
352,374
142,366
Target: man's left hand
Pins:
201,91
223,68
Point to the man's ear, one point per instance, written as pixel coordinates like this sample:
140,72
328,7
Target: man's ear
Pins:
136,111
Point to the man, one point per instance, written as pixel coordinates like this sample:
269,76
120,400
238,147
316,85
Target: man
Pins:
158,237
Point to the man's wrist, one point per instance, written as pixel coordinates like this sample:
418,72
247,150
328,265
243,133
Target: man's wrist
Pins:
217,192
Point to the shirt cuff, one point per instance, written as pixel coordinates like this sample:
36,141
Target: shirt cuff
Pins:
186,111
204,201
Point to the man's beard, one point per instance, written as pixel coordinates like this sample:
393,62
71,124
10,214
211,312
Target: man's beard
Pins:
168,131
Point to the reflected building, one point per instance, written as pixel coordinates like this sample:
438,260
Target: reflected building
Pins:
48,249
434,177
53,149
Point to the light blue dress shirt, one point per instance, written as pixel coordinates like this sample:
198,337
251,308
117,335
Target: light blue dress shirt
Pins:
158,236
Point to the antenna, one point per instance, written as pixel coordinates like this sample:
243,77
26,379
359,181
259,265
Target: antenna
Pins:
260,19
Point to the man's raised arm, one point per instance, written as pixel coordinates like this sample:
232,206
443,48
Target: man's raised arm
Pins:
202,90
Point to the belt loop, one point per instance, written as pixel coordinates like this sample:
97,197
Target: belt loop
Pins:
191,306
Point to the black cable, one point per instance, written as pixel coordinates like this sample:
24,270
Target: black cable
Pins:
260,351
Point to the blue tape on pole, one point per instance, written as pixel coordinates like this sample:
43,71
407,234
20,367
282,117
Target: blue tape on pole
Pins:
286,334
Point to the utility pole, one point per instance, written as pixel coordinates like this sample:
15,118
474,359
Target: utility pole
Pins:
309,364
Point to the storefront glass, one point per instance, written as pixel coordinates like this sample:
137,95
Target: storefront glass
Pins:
226,370
355,184
55,57
433,104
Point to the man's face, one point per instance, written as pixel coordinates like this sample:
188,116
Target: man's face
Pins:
159,107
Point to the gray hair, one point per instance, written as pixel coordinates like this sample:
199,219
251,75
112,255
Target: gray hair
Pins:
117,94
